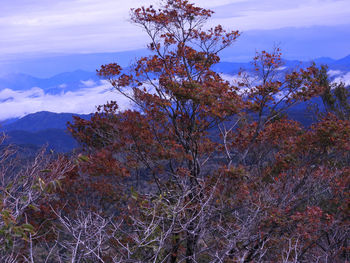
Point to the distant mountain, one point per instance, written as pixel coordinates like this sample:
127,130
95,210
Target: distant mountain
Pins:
42,120
324,60
341,64
74,80
18,81
53,64
70,78
67,81
231,68
40,129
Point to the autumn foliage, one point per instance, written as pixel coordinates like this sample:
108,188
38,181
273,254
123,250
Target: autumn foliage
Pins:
202,169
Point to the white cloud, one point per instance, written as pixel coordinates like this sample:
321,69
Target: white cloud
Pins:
298,13
333,73
83,101
244,78
85,26
344,78
88,83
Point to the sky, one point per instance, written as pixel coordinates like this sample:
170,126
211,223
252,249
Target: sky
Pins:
47,37
38,27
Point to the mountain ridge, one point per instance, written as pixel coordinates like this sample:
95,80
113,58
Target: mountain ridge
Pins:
42,129
72,80
42,120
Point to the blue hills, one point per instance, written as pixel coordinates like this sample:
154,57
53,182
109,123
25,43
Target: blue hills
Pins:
341,64
70,81
41,129
42,120
53,64
61,82
231,68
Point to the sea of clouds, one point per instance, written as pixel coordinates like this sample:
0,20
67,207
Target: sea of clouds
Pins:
17,103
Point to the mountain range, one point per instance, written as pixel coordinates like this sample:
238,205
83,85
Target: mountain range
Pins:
41,129
67,81
70,81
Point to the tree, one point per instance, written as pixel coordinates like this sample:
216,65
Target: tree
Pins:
266,190
336,96
24,185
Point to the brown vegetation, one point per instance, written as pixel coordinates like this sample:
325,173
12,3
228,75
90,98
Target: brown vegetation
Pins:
154,184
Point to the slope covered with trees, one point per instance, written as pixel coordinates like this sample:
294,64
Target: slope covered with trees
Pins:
153,185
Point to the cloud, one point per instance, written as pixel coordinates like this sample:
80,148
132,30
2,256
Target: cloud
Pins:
333,73
344,79
88,83
88,26
82,101
275,14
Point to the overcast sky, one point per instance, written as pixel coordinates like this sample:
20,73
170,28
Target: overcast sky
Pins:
88,26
